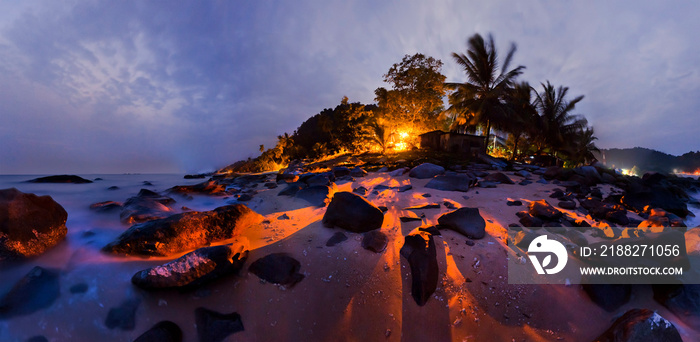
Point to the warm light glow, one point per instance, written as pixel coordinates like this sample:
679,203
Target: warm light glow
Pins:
403,135
401,144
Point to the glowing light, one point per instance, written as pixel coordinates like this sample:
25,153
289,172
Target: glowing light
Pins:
403,135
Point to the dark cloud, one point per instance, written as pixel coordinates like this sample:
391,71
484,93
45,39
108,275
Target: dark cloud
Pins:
128,86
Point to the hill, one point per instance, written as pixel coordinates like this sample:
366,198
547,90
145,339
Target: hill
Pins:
645,160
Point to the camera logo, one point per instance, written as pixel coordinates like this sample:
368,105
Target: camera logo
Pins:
540,245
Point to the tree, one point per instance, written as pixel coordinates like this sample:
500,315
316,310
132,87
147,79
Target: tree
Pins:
414,101
524,117
556,124
481,99
581,146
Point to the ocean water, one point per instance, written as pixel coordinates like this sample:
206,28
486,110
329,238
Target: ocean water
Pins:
79,259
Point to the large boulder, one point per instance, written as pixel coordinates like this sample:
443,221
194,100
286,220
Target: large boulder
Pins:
654,197
193,269
209,187
466,221
37,290
419,250
277,268
352,212
147,205
457,182
640,325
183,232
544,210
60,179
29,224
683,300
426,170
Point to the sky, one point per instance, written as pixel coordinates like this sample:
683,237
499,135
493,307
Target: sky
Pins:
192,86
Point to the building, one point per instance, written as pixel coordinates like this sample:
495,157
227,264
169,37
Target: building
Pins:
452,142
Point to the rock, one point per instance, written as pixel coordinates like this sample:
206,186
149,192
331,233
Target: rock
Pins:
37,290
426,170
450,205
576,237
317,195
542,181
316,180
186,231
216,327
358,172
60,179
498,177
353,213
466,221
522,173
362,191
405,188
29,224
423,206
419,250
374,241
277,268
398,172
291,190
589,173
337,238
107,206
243,198
340,171
432,230
514,203
530,221
147,183
557,193
640,325
383,208
608,296
618,216
147,205
458,182
571,205
543,210
410,218
525,182
194,269
656,197
681,299
210,187
486,184
124,315
164,331
523,239
113,187
271,185
552,172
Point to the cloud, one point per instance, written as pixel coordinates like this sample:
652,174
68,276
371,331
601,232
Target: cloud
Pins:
131,86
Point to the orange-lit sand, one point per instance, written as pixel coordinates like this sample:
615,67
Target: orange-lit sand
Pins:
352,294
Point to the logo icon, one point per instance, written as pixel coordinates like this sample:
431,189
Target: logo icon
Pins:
541,245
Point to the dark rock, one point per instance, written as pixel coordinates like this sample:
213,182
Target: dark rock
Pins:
271,185
530,221
466,221
164,331
557,193
409,219
374,241
525,182
283,217
340,171
419,250
147,205
147,183
318,180
186,231
193,269
523,239
79,288
657,197
567,205
317,195
514,203
277,268
681,299
486,184
640,325
290,190
29,224
337,238
542,181
107,206
244,197
423,206
362,191
432,230
498,177
215,327
37,290
353,213
426,170
426,195
552,172
124,315
113,187
383,208
381,187
608,296
197,176
210,187
60,179
576,237
618,216
543,210
469,243
522,173
405,188
358,172
449,205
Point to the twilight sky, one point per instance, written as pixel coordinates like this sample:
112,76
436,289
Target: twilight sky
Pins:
190,86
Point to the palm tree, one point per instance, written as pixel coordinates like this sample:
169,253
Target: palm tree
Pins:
556,124
480,100
524,117
581,147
